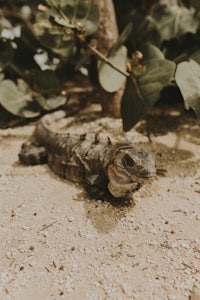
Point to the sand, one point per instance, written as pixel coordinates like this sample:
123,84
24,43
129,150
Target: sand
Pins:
56,243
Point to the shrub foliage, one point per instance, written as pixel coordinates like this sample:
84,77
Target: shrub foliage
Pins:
44,43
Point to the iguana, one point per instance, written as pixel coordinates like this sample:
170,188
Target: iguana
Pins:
106,166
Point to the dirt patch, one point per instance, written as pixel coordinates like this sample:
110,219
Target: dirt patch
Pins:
57,244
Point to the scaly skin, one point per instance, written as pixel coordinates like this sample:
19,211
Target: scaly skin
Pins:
104,165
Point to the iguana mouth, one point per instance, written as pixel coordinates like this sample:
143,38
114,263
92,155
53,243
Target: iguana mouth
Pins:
119,184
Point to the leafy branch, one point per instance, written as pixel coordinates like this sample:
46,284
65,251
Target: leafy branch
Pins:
43,46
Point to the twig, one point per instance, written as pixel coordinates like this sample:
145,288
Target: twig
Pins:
191,267
137,87
47,226
47,269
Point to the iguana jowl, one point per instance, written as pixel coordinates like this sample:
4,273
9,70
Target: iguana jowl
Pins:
102,164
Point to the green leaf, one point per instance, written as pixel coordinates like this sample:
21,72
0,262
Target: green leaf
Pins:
151,52
174,20
157,70
142,93
52,102
121,39
17,99
110,79
91,18
188,80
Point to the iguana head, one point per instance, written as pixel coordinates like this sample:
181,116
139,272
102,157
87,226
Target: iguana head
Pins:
128,169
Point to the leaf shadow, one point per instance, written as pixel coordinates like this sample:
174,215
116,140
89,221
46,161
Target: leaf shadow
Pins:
170,118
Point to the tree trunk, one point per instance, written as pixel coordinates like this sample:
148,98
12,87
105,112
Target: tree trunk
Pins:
106,35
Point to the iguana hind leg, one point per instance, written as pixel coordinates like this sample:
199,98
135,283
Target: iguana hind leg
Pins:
32,154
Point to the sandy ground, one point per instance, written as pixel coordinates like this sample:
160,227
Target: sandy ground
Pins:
55,243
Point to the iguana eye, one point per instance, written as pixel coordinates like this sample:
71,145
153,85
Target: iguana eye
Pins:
127,161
